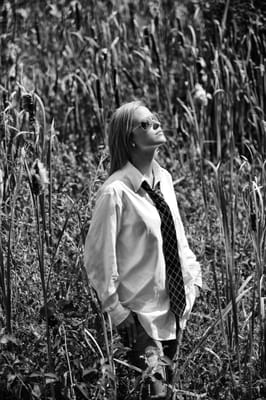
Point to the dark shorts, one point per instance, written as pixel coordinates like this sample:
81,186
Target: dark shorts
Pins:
135,355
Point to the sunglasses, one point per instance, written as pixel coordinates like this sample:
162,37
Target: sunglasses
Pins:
149,122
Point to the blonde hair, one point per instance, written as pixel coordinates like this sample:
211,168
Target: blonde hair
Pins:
120,129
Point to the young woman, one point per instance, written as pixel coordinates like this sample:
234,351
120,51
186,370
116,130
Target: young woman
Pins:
126,255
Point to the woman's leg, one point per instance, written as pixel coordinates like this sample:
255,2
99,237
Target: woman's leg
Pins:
143,341
146,355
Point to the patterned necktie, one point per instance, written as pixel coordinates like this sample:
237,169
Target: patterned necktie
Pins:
174,276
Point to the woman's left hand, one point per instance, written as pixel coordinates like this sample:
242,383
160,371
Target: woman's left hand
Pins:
197,291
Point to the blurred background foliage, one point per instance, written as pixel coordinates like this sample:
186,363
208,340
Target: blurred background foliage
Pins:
65,66
84,58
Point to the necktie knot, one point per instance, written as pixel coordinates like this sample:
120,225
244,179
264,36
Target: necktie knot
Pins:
146,186
152,192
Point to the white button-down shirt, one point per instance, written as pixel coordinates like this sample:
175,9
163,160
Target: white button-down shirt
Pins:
124,253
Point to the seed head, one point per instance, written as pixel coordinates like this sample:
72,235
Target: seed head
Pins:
28,103
29,106
200,95
253,221
39,177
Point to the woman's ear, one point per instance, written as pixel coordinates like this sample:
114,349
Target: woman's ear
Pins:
131,141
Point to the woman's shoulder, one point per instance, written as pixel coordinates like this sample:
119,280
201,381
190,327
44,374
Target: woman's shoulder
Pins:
113,186
164,173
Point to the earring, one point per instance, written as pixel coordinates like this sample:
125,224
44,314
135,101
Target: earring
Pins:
133,144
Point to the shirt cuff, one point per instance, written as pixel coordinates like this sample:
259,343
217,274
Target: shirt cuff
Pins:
118,314
198,282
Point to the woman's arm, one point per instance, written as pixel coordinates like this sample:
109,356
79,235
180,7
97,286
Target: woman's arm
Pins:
100,254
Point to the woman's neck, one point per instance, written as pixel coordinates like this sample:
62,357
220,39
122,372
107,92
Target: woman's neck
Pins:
143,162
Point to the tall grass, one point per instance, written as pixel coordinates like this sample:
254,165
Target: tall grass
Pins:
227,136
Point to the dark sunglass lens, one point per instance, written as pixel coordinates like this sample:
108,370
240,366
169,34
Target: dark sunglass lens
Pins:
156,125
145,125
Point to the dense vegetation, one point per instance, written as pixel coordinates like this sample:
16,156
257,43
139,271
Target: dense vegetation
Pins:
65,66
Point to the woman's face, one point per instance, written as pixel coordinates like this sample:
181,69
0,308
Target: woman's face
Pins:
147,131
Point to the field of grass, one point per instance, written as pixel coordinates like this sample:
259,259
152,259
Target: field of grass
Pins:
64,67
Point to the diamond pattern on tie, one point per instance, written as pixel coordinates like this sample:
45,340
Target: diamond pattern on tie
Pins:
174,276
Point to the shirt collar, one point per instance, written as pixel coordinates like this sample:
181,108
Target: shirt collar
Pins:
136,177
